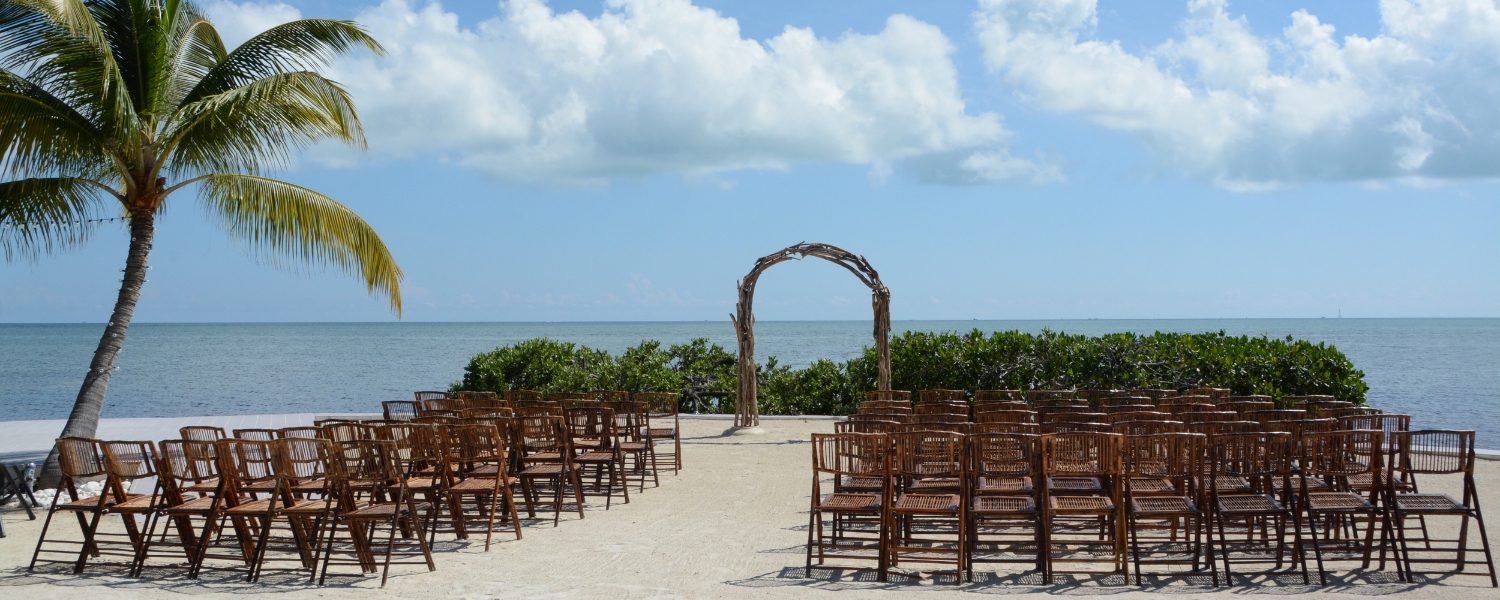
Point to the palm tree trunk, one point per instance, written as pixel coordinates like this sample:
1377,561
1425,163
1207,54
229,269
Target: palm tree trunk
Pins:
84,419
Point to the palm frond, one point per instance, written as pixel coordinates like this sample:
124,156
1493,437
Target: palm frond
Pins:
41,136
261,125
198,50
63,48
280,221
44,215
304,45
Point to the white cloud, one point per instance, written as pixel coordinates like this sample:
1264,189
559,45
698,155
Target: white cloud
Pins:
1416,103
663,86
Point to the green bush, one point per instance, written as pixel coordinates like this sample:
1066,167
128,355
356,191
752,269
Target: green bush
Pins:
972,361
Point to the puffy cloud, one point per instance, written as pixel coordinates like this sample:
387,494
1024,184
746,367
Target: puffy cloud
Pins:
1417,102
664,86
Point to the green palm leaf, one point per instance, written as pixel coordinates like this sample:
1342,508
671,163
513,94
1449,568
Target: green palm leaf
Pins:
280,221
45,215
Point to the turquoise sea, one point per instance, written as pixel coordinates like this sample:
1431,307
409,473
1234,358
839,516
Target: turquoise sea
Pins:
1445,372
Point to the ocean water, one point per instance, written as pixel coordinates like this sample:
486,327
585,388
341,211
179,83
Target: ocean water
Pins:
1445,372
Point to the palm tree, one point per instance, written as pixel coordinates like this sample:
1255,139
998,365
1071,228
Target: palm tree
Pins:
136,100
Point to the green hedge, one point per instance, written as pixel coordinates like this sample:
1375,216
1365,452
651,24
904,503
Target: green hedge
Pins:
972,361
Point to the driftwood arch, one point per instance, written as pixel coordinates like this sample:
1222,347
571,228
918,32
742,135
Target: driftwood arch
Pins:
747,409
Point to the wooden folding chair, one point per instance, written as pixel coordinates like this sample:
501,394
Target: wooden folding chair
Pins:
1083,512
927,512
547,458
1242,468
850,520
388,504
79,459
1004,521
189,482
1431,454
1162,493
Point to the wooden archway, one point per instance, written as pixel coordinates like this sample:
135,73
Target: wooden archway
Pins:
747,409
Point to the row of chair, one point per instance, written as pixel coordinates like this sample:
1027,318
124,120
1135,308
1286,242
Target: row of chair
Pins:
320,497
916,496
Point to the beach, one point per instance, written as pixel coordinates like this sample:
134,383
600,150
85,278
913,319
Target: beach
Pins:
732,524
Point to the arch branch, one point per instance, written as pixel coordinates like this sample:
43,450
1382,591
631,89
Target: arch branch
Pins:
747,409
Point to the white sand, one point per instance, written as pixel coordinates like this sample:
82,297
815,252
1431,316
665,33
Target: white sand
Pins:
731,525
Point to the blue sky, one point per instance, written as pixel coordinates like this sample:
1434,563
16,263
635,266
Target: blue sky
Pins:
1005,159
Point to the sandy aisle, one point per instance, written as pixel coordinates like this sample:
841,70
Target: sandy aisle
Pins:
731,525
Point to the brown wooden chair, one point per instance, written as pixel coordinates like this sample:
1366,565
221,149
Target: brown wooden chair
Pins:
79,459
1127,408
592,434
481,456
304,433
424,396
999,405
928,517
849,525
940,418
941,396
960,428
260,435
662,423
514,398
1207,417
868,427
547,459
939,407
1070,427
1113,401
1130,428
1333,457
1082,500
1242,468
901,395
1015,428
189,481
1161,474
389,505
1268,416
1002,472
1006,416
1210,392
1126,417
398,410
632,437
248,468
1073,417
126,464
202,433
1436,454
885,406
897,417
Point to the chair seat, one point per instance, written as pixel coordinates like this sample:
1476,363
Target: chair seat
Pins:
932,484
544,469
595,457
1248,503
1231,483
485,471
1313,483
268,485
1003,504
850,502
1337,501
136,503
310,487
1074,484
857,483
383,510
665,433
89,503
1151,485
251,508
1162,505
1004,485
1425,503
927,502
478,484
1080,503
421,483
1077,466
308,507
545,457
634,446
203,487
196,506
